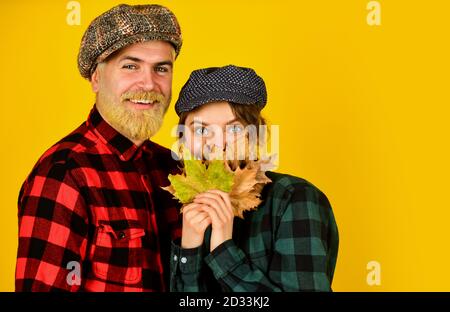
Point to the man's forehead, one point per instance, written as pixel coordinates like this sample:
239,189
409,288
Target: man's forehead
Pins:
148,51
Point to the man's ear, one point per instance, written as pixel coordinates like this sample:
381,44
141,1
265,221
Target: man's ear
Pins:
174,55
94,80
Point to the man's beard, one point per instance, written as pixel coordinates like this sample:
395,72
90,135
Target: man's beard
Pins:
133,123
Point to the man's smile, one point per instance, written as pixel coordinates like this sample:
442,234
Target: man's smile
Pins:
142,104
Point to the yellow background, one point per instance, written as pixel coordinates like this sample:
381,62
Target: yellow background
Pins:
363,113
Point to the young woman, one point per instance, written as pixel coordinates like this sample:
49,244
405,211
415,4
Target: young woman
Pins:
289,243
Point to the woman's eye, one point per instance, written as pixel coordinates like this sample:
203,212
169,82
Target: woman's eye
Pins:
129,66
235,129
201,131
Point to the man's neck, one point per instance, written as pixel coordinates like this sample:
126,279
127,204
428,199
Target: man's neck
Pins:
137,142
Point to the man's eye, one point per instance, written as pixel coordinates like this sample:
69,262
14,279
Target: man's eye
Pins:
201,131
130,66
161,69
234,129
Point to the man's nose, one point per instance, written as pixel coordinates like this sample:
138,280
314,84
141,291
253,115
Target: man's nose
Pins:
147,81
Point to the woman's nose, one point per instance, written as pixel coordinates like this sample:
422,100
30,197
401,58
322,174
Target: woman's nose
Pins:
217,141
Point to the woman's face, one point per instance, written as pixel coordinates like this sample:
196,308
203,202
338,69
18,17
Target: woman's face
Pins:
213,125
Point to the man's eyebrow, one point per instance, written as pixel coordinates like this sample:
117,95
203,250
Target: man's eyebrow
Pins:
138,60
169,63
130,58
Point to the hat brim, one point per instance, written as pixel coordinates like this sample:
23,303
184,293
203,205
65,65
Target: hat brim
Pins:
217,96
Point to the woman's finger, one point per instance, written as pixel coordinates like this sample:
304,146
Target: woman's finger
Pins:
227,211
205,222
191,211
215,220
226,198
190,206
216,197
198,217
212,201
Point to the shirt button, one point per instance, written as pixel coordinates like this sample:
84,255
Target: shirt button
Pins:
183,259
175,258
121,235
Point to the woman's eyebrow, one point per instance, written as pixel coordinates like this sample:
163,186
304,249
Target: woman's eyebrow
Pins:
232,120
199,121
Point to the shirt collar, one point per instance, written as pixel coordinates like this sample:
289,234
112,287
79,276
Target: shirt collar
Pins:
116,142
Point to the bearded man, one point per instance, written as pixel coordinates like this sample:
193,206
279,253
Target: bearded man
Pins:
92,215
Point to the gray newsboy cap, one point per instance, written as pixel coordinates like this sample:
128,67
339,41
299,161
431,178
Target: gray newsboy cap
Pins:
124,25
229,83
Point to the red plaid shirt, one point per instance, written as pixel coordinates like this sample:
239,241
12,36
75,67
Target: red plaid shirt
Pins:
95,198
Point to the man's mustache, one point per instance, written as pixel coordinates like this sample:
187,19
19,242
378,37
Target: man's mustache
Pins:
143,96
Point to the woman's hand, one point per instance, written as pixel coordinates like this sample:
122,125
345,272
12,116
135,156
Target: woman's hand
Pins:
218,206
195,222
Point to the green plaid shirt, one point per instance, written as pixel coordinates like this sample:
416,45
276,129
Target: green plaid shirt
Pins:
290,243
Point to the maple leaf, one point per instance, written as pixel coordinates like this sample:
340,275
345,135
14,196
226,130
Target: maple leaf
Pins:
248,183
200,176
244,185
